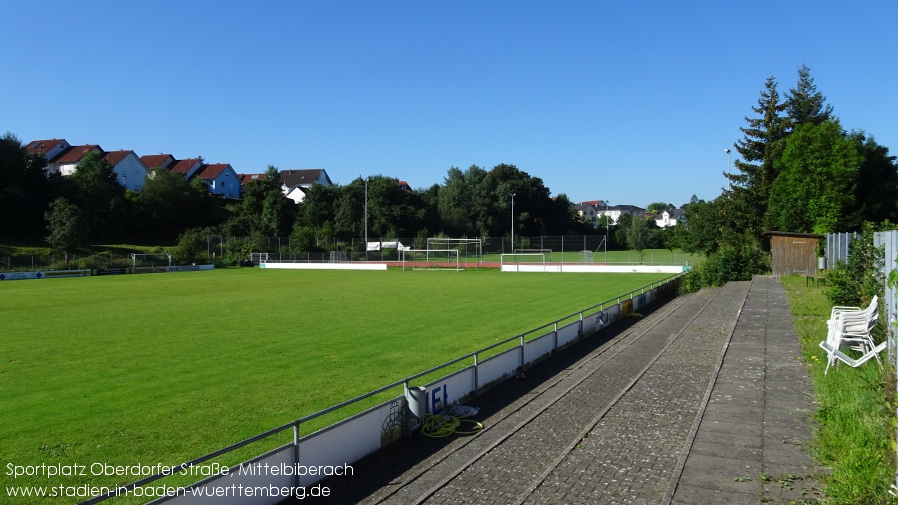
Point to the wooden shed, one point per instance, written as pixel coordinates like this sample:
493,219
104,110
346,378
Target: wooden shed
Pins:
793,253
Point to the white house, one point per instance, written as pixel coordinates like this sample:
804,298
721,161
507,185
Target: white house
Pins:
617,211
67,161
221,179
294,183
668,218
129,170
48,148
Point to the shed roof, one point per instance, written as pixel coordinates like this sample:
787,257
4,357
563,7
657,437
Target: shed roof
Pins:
792,234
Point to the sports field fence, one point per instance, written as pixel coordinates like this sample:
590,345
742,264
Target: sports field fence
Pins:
224,250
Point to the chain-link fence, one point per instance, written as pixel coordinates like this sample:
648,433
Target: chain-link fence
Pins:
36,262
223,250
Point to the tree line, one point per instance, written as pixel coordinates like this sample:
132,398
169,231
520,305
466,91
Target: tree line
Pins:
91,206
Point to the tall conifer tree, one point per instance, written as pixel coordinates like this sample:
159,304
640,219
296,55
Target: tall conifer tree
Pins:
758,149
804,104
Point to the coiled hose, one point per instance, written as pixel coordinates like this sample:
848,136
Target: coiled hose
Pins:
447,423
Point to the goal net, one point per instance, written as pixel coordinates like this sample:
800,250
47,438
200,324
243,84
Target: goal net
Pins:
139,260
522,259
435,259
258,258
545,252
469,249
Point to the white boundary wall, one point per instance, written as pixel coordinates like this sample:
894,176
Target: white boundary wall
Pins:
350,440
43,274
671,269
325,266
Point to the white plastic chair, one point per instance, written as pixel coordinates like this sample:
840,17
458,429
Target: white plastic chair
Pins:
844,358
840,310
851,327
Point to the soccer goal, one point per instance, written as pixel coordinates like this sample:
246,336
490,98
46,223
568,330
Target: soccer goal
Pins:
432,259
547,252
339,257
140,260
259,258
522,259
469,248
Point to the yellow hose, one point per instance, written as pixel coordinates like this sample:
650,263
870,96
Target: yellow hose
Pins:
443,425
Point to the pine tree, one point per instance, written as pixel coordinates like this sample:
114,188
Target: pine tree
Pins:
758,149
804,104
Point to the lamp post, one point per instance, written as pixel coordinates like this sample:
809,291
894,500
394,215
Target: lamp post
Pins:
607,229
366,219
512,223
728,168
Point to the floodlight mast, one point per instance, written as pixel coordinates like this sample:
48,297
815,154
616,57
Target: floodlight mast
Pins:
607,229
366,219
512,223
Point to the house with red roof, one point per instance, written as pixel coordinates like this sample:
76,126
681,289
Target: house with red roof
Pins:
48,148
158,160
129,169
67,161
245,178
186,167
221,179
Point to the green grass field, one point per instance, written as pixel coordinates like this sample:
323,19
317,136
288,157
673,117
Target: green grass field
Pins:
164,368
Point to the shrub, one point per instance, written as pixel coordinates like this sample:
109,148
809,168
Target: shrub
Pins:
854,282
727,264
192,246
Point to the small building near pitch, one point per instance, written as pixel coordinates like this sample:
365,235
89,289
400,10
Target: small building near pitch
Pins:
793,253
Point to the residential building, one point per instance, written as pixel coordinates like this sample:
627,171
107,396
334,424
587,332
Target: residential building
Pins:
221,179
591,210
48,148
245,178
668,217
186,167
129,169
295,183
66,162
616,211
587,213
158,160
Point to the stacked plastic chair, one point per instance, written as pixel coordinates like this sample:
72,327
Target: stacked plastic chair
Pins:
851,328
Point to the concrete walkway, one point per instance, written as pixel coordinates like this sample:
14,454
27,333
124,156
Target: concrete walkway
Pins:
703,400
748,446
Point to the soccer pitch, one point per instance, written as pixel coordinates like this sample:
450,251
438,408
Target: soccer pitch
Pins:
148,369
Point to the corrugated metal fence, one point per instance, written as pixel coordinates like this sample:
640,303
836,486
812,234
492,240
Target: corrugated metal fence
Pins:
837,247
888,240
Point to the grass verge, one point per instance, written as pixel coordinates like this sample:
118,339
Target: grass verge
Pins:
855,434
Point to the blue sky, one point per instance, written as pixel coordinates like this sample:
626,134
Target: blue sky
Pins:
633,102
